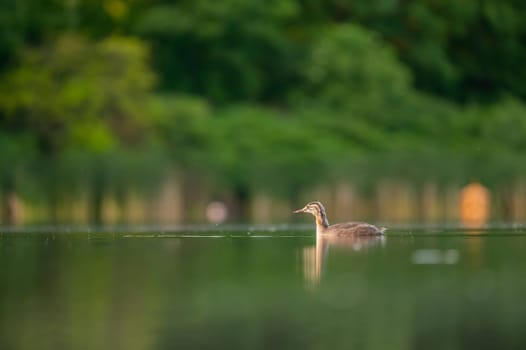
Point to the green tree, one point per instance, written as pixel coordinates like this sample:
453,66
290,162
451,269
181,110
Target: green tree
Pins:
79,96
469,50
223,50
348,66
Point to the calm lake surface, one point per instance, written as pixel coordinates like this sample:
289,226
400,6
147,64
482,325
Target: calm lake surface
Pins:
262,289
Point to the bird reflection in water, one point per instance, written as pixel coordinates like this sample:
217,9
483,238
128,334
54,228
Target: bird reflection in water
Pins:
314,256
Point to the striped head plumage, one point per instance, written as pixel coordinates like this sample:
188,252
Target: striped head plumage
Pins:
316,209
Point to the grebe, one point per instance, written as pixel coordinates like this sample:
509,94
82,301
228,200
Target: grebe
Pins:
347,229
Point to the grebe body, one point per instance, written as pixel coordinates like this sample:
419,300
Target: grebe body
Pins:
346,229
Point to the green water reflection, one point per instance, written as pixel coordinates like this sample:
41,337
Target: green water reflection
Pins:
413,290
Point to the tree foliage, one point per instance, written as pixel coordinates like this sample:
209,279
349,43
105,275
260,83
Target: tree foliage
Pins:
244,96
75,93
223,50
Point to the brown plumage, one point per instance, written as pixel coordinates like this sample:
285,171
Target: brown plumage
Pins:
339,230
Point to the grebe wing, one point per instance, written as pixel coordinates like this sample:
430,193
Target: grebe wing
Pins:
355,228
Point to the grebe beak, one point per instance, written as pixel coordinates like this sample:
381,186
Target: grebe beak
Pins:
302,210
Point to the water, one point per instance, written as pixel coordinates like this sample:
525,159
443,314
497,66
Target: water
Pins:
233,289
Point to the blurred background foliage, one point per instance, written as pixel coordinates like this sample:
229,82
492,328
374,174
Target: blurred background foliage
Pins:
237,98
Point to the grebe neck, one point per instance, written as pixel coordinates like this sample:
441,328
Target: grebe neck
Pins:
321,220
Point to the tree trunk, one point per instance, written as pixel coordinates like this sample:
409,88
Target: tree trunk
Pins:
6,203
97,192
240,205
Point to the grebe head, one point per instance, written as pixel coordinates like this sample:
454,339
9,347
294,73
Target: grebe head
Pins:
314,208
